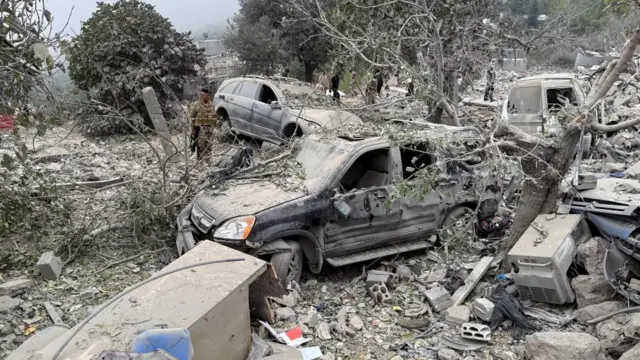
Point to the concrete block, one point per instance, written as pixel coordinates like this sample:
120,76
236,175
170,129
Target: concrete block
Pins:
50,266
7,304
378,277
15,287
286,314
477,332
483,309
591,290
458,315
439,298
632,329
380,293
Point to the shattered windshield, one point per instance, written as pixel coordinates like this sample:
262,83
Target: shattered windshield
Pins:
524,100
320,158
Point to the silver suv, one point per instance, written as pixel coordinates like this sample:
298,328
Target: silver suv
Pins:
260,108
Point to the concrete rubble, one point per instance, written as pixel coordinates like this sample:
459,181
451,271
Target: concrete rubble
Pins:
352,316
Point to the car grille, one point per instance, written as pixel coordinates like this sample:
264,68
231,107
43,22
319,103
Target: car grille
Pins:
198,216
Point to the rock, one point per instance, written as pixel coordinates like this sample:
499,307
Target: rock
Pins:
6,330
634,169
323,288
323,332
311,282
591,255
356,322
89,293
632,329
397,357
591,289
448,354
439,298
20,339
610,331
310,319
632,354
437,276
289,300
327,356
8,304
596,310
50,266
286,314
341,326
15,287
404,273
563,345
458,315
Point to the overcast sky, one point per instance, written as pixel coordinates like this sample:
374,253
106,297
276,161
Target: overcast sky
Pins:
184,14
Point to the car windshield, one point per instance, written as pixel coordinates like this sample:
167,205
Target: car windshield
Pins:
319,158
524,100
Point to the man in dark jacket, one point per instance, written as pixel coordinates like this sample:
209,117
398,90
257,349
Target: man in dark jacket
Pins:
335,83
380,80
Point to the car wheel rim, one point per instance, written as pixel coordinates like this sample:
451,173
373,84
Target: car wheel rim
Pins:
293,267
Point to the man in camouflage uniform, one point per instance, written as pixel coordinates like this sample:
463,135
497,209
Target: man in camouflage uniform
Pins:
372,90
203,120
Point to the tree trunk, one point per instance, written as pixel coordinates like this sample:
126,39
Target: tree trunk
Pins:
540,190
309,68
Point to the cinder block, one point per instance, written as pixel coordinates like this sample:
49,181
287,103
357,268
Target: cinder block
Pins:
380,293
483,309
378,277
439,298
476,332
457,315
14,287
50,266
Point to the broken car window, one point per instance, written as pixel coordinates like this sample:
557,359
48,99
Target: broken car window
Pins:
557,97
415,157
267,95
371,169
249,89
524,100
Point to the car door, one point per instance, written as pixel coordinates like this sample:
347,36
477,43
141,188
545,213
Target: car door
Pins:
243,106
267,114
359,217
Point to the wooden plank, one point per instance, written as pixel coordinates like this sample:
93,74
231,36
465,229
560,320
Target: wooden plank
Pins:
472,280
52,313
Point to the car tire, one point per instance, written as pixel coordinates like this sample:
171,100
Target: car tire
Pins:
454,215
288,265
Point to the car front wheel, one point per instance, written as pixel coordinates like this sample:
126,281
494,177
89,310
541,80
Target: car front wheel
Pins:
288,265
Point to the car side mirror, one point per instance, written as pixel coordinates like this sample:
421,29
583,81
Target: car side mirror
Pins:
275,105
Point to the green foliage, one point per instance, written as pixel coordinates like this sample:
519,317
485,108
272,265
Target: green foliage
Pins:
268,35
126,46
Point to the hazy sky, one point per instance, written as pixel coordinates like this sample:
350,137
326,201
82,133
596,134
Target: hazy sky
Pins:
183,14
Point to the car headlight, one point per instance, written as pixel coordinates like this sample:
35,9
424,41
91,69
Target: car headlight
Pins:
236,229
313,126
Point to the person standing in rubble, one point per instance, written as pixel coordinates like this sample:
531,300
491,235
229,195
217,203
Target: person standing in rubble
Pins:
371,91
379,81
491,82
410,88
335,84
203,120
323,81
353,84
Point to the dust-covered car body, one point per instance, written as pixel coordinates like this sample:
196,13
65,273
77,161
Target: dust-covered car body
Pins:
259,107
351,208
612,207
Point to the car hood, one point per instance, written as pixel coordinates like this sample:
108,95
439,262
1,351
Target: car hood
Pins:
326,118
610,196
243,199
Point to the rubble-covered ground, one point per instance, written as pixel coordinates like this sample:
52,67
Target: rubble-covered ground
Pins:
133,236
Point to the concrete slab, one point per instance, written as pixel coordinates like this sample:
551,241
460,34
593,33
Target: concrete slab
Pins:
211,301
